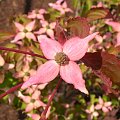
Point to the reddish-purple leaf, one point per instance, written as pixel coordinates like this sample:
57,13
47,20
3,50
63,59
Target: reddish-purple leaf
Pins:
111,67
60,33
109,72
93,60
107,83
78,27
107,67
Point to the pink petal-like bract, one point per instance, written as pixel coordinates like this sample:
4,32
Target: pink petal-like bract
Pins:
30,26
30,35
29,107
95,114
45,73
115,25
26,99
107,104
36,95
32,16
104,109
41,31
98,107
101,101
52,25
71,73
38,103
50,33
19,26
76,48
39,16
118,39
35,117
2,61
49,47
64,5
19,36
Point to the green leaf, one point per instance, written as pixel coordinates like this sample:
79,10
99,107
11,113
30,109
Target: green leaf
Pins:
98,13
5,36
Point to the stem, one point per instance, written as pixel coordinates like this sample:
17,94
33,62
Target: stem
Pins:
19,51
43,115
11,90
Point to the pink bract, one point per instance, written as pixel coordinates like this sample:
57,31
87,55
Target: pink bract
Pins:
93,113
32,102
75,48
104,106
47,28
61,6
37,14
24,31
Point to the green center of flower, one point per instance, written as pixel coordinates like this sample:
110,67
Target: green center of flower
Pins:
32,101
25,31
37,11
61,58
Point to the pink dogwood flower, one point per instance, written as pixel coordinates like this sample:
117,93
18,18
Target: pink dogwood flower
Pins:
47,28
37,14
93,113
105,106
25,72
61,60
116,28
33,101
24,31
61,6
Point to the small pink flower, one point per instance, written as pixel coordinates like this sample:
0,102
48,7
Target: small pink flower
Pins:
37,14
61,59
116,27
24,31
33,102
37,116
61,6
105,106
92,112
47,28
25,73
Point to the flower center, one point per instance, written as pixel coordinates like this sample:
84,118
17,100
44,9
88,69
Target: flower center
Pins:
61,58
25,31
37,11
32,101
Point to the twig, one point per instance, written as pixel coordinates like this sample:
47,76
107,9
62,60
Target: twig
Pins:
43,115
11,90
19,51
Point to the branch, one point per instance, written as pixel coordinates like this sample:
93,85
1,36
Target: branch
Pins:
11,90
23,52
43,115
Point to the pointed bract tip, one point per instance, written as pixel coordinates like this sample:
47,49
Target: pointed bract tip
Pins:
85,91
